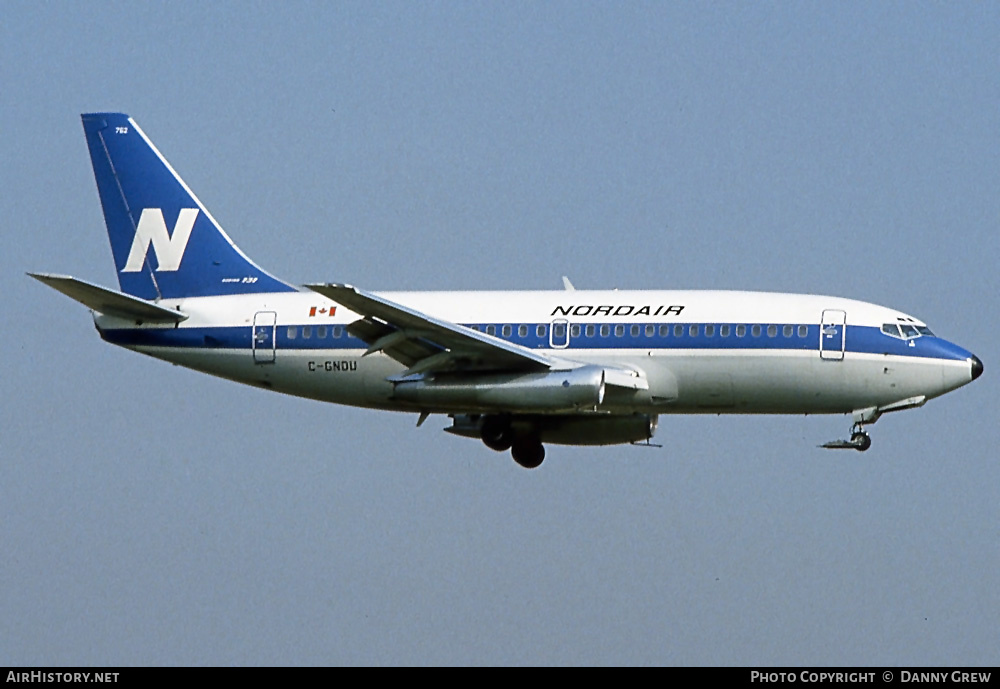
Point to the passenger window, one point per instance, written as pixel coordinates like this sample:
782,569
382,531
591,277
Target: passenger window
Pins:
321,332
605,330
787,331
507,330
709,331
307,332
650,331
292,332
574,330
772,330
590,330
678,331
491,330
634,331
522,331
619,330
803,330
693,331
724,331
338,330
741,330
664,331
540,331
755,330
559,330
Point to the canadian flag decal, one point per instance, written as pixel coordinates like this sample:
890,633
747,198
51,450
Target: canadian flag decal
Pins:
331,311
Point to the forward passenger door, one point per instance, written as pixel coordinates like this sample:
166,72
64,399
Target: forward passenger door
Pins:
833,335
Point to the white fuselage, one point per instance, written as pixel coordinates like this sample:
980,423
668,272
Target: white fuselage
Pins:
699,351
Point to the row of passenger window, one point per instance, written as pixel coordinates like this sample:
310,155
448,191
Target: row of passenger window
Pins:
649,330
321,331
591,330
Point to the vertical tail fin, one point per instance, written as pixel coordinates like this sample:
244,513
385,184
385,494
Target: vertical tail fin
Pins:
147,205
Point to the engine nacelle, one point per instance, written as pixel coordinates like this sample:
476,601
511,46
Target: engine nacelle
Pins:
552,391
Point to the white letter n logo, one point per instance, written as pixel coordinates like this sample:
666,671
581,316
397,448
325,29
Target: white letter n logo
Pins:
169,248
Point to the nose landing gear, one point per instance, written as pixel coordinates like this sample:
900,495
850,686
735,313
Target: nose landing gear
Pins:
860,440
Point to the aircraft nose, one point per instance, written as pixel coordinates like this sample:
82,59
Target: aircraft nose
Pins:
977,367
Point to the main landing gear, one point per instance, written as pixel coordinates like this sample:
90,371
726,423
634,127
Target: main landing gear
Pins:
528,451
526,448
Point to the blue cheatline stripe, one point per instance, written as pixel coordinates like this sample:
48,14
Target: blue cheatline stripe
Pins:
860,339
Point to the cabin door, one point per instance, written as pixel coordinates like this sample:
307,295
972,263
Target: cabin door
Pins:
559,334
263,337
833,334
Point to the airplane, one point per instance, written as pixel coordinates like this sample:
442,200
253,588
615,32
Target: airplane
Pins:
515,369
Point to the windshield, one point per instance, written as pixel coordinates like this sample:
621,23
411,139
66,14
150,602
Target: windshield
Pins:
906,331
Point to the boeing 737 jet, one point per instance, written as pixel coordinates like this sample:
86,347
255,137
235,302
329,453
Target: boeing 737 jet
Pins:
514,369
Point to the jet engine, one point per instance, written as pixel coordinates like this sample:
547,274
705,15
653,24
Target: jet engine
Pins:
551,391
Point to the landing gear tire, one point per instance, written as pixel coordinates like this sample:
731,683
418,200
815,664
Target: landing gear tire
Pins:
862,441
859,441
528,451
497,433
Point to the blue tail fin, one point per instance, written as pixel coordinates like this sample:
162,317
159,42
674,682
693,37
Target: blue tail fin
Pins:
148,206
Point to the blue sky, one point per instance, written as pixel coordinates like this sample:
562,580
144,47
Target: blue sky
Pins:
152,515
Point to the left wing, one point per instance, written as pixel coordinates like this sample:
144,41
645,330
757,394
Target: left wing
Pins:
428,345
425,344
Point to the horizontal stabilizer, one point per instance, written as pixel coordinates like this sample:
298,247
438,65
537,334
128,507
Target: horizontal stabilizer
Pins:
108,301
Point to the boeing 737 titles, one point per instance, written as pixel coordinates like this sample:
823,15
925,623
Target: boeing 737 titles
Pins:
514,369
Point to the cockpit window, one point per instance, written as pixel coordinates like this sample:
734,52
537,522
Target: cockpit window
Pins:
906,331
